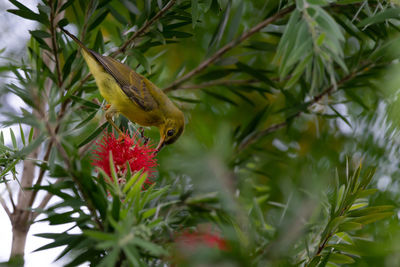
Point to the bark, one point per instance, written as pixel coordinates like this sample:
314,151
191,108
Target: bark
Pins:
20,233
21,217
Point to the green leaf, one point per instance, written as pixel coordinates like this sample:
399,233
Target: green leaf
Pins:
357,206
373,217
99,235
253,124
21,131
205,198
176,34
217,36
389,13
63,22
148,213
85,121
220,97
235,22
314,262
31,135
86,103
131,182
120,18
153,248
93,135
25,12
346,248
340,195
366,193
371,210
68,64
40,34
255,73
298,71
142,60
132,255
318,2
13,139
59,240
9,168
66,4
341,258
195,12
346,2
349,226
98,19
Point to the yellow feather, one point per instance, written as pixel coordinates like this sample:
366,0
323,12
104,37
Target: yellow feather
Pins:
133,95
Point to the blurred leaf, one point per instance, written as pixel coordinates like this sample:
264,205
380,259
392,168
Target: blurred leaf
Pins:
219,31
390,13
340,258
93,135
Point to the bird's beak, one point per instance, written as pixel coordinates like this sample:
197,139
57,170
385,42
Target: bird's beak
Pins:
160,144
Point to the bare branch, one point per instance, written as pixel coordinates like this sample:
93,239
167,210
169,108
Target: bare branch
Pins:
143,29
228,47
41,175
10,194
4,205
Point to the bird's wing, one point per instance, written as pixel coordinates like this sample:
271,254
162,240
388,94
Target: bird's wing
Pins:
132,84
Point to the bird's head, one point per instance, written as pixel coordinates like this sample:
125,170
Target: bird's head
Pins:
171,129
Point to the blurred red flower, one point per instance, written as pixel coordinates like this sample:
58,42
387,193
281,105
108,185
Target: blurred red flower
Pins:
193,240
124,149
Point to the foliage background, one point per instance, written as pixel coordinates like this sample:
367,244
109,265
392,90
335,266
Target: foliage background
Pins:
270,125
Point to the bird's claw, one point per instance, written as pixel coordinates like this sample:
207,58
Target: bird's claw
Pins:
145,139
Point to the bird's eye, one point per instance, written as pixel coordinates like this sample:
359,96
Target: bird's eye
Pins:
170,132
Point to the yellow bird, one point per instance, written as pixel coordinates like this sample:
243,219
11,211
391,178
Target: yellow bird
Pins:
133,95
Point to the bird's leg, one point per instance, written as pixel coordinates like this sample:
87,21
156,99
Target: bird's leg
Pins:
145,139
110,111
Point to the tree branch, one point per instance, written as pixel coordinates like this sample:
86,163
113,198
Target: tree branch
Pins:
10,194
41,175
273,128
143,29
4,205
228,47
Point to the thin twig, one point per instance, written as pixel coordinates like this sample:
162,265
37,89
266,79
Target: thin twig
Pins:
41,175
254,137
228,47
4,205
10,195
143,29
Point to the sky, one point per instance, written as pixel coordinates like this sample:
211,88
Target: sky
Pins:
14,32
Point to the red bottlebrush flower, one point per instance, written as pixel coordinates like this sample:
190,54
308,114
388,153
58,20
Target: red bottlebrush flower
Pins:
124,149
193,240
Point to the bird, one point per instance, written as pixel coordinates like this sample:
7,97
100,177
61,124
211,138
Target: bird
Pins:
133,95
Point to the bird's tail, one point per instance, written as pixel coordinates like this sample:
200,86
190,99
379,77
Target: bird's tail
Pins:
76,40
